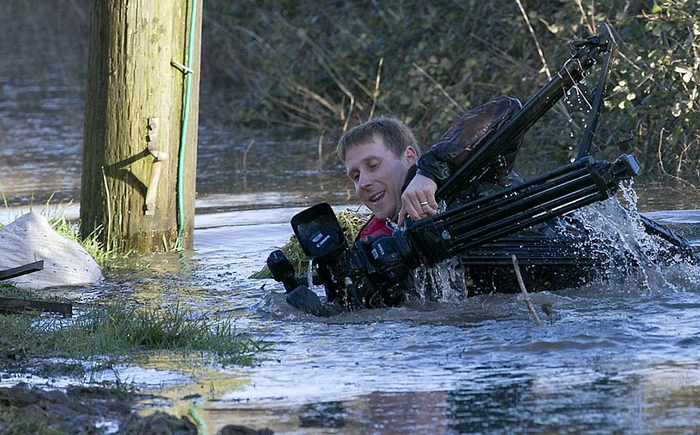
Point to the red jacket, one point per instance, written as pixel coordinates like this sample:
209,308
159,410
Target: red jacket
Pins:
372,229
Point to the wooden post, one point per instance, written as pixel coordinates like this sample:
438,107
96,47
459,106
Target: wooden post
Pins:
134,111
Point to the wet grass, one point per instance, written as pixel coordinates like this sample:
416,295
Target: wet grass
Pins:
8,290
96,339
121,331
104,257
117,331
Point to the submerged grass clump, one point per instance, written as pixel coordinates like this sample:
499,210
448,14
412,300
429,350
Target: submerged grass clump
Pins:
123,331
352,222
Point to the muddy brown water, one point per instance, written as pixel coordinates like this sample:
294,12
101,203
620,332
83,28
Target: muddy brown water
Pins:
619,356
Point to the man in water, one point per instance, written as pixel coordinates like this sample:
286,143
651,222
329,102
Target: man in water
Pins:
383,160
380,158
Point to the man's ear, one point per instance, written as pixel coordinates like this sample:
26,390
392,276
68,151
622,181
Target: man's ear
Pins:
411,155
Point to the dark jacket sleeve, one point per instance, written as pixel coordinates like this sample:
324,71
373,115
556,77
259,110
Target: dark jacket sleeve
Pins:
469,133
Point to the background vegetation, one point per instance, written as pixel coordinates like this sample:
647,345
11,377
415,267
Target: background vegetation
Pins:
313,70
326,68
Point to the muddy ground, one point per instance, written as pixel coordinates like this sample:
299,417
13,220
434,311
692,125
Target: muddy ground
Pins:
81,410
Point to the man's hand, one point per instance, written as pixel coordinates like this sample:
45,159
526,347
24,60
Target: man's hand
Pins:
418,200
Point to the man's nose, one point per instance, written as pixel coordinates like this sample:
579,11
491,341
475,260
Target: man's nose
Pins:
365,181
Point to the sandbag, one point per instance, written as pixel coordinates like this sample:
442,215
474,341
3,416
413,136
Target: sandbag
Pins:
30,238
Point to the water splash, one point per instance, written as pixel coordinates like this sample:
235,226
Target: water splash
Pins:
310,275
617,236
443,282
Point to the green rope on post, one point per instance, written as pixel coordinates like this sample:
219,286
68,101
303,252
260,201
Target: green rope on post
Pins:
183,130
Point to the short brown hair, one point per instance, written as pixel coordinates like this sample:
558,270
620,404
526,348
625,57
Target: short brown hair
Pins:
397,136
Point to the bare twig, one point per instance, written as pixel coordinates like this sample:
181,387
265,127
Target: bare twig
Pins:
502,53
576,87
524,290
681,159
245,154
684,182
631,62
375,94
591,26
352,106
560,105
326,65
659,155
537,42
303,90
220,27
320,146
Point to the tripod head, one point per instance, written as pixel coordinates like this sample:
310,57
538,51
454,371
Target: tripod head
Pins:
585,54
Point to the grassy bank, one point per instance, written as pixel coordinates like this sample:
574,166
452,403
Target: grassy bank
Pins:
121,332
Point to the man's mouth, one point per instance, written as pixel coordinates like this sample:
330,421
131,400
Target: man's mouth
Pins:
376,197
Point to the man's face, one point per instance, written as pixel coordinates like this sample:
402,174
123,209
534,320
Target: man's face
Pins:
379,175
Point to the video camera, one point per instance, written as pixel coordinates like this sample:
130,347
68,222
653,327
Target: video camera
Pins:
373,273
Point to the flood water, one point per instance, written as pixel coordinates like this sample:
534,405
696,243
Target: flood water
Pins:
614,357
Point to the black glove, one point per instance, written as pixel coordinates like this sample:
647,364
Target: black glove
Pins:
307,301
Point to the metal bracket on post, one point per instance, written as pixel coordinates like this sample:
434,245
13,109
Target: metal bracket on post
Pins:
160,156
182,67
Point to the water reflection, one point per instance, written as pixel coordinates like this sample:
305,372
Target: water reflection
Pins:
510,399
41,130
480,366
